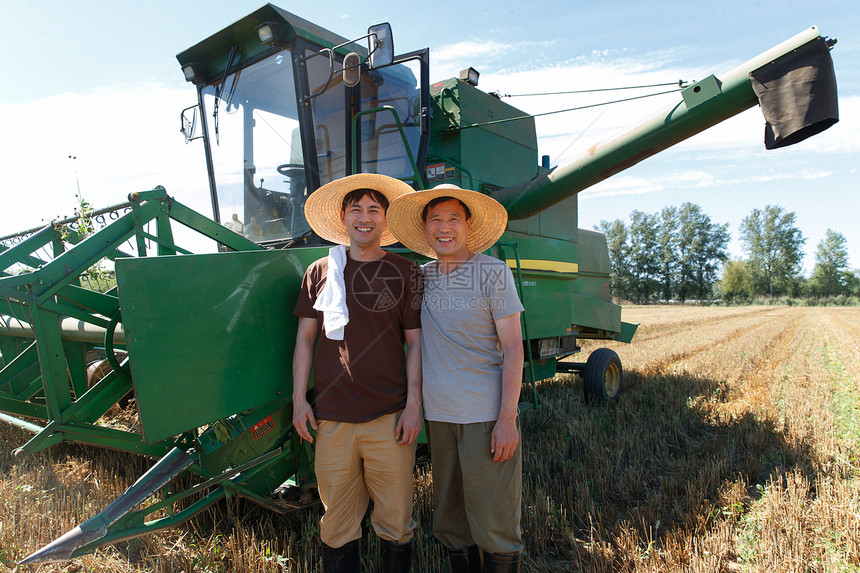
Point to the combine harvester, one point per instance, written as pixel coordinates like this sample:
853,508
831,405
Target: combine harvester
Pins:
203,341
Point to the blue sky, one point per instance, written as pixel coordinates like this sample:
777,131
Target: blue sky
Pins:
92,92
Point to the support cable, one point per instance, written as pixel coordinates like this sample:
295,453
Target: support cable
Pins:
679,83
483,123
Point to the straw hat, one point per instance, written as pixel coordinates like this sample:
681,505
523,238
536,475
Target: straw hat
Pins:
489,218
323,206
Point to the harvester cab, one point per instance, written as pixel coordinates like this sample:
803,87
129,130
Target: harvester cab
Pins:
284,107
287,107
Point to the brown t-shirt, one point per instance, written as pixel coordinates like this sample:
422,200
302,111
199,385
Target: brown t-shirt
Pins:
363,376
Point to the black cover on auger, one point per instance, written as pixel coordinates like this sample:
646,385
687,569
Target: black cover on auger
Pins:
797,95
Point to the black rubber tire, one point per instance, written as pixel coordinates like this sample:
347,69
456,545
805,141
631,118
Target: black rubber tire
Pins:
603,379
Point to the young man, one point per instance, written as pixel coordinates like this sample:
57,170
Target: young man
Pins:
472,352
359,308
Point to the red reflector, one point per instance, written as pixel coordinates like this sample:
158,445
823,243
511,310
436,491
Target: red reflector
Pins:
262,427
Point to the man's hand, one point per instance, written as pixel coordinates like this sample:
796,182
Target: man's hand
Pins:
303,357
505,439
302,416
408,426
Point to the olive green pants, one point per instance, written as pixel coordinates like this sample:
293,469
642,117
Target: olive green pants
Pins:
476,501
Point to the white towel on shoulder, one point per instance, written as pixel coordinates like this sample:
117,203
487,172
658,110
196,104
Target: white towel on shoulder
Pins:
332,299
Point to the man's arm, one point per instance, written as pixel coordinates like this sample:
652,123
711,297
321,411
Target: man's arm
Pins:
505,434
409,425
303,357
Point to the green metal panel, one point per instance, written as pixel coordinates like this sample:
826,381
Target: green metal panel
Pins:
544,368
209,335
701,91
594,267
628,329
515,141
544,300
549,273
561,221
594,313
458,105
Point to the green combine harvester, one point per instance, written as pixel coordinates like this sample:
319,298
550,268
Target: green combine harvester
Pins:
202,342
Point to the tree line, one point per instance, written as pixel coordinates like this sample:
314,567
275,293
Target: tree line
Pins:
680,254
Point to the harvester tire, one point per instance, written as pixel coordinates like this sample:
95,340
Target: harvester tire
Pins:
603,378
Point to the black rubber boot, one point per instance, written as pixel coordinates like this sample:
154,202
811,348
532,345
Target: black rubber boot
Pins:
502,562
344,559
465,560
396,557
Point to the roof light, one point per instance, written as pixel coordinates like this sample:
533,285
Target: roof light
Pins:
270,33
470,76
194,72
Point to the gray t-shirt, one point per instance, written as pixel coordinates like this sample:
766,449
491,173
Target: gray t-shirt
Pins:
460,351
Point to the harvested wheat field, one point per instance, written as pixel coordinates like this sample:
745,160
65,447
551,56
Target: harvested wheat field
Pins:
734,447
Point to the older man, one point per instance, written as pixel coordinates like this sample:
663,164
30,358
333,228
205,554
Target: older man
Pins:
472,363
359,307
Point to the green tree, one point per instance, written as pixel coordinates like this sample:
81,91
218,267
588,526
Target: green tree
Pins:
852,279
644,256
667,240
702,248
737,281
709,253
830,277
616,240
774,245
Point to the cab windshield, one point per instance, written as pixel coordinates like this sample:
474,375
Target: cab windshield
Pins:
257,151
261,128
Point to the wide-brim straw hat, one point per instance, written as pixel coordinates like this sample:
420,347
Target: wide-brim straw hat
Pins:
489,218
323,207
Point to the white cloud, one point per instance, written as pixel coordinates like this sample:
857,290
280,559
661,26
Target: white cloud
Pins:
622,185
691,179
447,61
111,142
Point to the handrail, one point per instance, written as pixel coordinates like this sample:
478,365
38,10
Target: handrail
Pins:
516,250
416,175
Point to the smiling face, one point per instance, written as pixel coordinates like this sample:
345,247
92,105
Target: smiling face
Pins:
447,229
364,221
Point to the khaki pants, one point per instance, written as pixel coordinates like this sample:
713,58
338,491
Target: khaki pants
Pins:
476,501
358,462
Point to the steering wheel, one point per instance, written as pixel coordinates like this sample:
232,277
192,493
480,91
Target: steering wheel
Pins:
291,169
